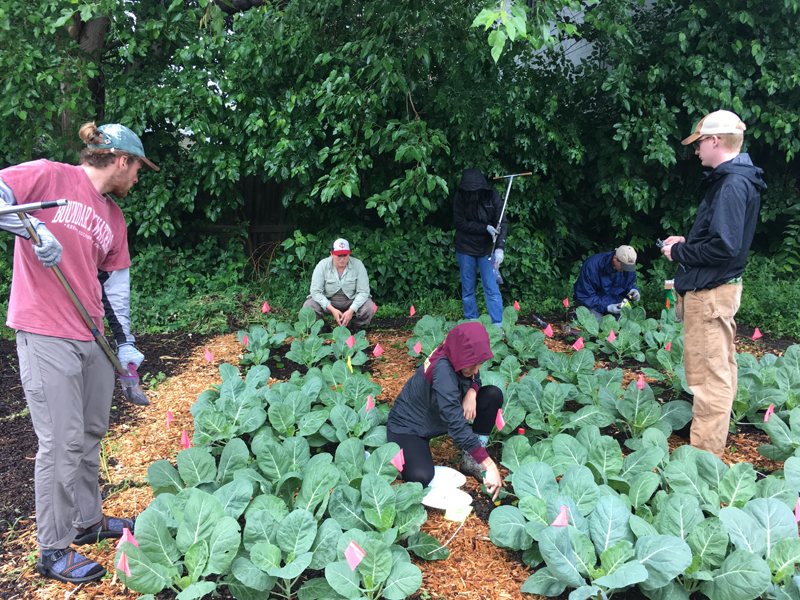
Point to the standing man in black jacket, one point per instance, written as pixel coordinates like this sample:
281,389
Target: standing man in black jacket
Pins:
476,212
709,278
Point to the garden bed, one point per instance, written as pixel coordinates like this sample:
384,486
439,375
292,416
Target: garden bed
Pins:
177,373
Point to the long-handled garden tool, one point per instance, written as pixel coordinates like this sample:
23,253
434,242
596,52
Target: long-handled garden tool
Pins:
129,379
502,212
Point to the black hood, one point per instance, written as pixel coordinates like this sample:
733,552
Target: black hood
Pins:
473,179
739,165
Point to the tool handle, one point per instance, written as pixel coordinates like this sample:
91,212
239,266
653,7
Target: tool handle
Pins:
17,208
515,175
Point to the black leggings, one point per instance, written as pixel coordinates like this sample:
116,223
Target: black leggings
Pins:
417,450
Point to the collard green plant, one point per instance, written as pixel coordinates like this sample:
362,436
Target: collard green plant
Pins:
261,340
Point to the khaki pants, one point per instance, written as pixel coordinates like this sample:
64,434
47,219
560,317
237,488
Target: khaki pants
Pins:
340,301
709,358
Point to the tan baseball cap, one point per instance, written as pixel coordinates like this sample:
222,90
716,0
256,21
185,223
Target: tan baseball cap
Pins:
717,123
627,258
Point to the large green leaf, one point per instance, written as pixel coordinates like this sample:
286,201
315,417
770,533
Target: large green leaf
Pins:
260,526
606,454
743,576
617,555
664,556
222,545
710,468
677,413
251,576
592,415
775,518
746,533
317,484
514,452
643,486
569,452
784,556
325,543
709,542
377,501
427,547
294,567
196,465
791,471
609,523
234,456
154,538
380,462
543,582
345,507
507,528
628,574
578,483
377,564
274,461
678,515
342,579
535,479
201,514
235,496
640,461
556,549
296,532
163,478
738,485
281,416
404,579
146,577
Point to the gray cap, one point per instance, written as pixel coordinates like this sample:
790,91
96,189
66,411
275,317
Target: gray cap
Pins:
119,137
627,258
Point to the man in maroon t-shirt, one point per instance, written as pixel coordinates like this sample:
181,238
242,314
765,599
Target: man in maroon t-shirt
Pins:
67,379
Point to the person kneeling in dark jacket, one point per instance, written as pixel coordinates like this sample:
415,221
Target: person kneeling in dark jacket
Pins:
442,396
606,280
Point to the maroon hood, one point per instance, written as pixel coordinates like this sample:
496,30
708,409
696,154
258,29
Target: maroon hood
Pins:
466,345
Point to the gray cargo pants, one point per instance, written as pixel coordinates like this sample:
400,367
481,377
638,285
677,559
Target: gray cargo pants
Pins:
68,385
340,301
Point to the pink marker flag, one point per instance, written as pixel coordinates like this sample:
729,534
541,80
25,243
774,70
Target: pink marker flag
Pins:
208,356
399,460
418,347
548,331
578,345
245,341
122,565
640,382
669,346
499,420
370,403
127,536
566,302
374,307
516,304
265,307
354,555
350,341
612,336
170,418
378,350
412,311
562,520
185,440
797,511
756,334
770,411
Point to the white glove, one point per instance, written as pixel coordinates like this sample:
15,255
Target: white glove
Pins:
48,250
614,309
499,255
634,295
127,354
491,230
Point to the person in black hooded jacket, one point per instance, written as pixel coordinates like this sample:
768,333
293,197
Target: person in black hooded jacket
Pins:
709,278
476,212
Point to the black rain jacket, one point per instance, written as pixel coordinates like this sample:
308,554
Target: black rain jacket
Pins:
471,218
716,249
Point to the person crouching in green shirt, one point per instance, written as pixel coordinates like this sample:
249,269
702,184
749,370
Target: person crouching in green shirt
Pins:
340,286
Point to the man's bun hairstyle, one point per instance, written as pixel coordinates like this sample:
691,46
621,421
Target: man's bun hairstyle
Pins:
98,157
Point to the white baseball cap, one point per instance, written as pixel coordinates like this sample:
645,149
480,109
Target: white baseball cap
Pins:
717,123
339,247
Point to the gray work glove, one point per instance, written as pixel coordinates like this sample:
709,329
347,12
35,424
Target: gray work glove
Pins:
491,230
634,295
614,309
48,249
499,255
127,354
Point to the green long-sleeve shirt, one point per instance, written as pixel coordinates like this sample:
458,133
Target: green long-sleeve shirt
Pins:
354,282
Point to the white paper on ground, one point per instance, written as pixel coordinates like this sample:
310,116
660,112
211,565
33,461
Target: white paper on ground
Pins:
447,497
447,477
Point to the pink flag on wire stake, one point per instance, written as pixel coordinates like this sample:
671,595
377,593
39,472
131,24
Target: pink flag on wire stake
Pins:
245,341
640,382
378,350
565,302
399,460
122,565
170,418
548,331
412,311
797,511
669,346
350,341
354,555
499,421
612,336
370,403
562,520
418,347
578,345
127,536
770,411
185,442
516,304
208,356
265,307
756,334
374,307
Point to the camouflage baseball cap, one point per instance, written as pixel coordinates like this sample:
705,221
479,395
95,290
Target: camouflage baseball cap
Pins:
119,137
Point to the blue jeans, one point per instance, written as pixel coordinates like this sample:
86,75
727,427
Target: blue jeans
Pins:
469,266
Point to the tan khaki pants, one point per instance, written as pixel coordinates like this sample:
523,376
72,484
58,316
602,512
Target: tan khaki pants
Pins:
341,302
709,358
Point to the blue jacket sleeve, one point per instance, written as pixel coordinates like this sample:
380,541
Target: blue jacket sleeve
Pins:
587,284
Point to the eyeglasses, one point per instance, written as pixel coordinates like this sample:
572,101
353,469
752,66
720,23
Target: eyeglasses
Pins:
700,141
